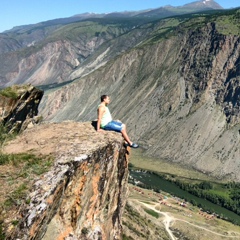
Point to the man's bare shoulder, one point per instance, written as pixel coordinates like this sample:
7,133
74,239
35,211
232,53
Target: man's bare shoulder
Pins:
101,108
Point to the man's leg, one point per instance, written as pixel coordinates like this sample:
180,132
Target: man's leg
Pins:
124,134
120,127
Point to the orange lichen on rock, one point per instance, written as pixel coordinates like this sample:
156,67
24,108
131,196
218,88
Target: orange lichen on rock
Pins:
66,233
93,200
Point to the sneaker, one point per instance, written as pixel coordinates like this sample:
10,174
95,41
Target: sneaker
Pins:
134,145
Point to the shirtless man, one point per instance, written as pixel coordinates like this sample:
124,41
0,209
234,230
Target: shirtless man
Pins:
105,121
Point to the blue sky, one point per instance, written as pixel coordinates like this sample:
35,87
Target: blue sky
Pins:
20,12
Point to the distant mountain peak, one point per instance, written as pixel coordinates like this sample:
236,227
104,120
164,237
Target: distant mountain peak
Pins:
204,4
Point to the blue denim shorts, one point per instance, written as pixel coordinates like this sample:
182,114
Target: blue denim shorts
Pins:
114,126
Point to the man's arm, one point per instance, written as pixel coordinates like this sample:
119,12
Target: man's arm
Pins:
100,115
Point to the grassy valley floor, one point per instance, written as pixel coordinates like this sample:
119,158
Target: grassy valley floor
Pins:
162,166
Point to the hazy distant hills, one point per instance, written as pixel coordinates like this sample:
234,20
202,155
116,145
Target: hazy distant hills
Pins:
160,12
28,35
169,10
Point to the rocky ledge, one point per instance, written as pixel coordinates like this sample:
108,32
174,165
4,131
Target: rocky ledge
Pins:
84,194
19,106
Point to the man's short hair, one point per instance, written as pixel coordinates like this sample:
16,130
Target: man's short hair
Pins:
103,97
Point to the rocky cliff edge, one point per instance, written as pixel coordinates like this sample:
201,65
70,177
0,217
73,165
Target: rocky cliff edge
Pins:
84,194
19,106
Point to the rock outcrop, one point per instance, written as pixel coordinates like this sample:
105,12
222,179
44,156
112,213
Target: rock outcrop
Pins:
19,106
84,194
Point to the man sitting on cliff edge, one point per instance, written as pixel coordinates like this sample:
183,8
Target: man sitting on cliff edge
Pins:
105,121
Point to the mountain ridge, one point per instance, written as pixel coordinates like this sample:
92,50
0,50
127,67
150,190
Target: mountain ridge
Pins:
211,4
194,7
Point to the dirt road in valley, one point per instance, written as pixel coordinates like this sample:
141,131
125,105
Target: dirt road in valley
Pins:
168,219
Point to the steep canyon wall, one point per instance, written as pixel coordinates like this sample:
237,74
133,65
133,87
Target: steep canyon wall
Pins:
179,97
